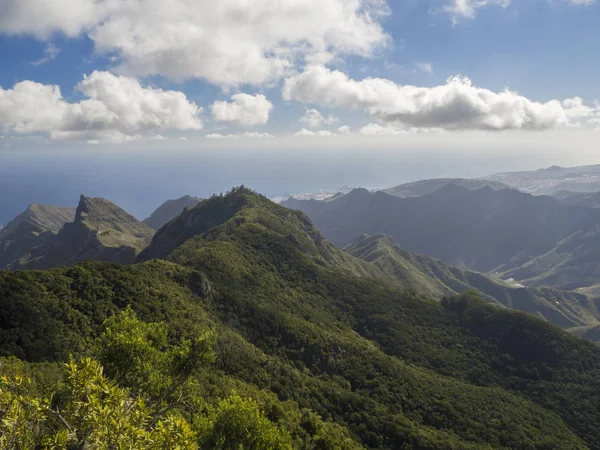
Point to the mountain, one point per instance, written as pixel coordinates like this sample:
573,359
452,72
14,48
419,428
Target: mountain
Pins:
553,179
591,199
422,187
100,231
482,230
36,225
327,352
431,277
169,210
40,218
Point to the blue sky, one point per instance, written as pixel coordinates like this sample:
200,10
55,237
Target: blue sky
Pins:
542,50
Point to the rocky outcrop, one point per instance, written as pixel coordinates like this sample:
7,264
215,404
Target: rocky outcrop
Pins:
100,231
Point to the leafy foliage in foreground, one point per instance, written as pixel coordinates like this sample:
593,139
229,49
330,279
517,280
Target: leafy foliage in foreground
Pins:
90,410
333,357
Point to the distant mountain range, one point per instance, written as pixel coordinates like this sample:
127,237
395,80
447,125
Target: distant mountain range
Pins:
424,187
529,238
552,180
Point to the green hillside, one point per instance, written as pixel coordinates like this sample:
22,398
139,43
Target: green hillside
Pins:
304,330
429,276
571,264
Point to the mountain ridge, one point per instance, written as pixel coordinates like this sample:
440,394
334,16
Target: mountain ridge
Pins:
100,230
435,279
423,187
43,217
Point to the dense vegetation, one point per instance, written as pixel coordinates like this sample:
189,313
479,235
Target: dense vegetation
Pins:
435,279
310,350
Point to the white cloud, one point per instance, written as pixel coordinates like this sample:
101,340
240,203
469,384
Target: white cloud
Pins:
239,136
374,129
343,130
594,118
575,108
50,53
458,104
246,110
314,119
227,42
310,133
221,136
42,18
115,109
467,8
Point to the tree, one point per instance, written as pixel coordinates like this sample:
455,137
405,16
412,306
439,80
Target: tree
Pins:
93,412
138,355
236,423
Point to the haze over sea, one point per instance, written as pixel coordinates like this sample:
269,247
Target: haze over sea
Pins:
139,176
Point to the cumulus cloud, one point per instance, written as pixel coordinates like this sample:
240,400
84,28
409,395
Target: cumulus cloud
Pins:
245,110
314,119
458,104
575,108
227,42
239,136
115,108
43,18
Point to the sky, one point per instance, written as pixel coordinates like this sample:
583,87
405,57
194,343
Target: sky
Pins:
288,94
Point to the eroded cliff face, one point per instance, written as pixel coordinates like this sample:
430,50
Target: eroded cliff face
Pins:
100,231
